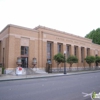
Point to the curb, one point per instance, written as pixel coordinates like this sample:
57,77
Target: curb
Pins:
49,76
26,78
84,72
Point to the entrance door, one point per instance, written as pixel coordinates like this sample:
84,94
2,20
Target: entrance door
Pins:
24,62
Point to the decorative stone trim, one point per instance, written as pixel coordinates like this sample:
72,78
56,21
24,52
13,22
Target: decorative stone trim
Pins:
4,37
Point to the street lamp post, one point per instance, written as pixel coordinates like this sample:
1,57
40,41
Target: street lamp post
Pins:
96,63
64,62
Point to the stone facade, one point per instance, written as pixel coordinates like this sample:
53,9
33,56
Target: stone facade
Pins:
13,38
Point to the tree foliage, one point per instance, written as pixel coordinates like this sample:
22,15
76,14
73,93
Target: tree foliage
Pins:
94,35
59,58
90,35
97,59
72,59
90,60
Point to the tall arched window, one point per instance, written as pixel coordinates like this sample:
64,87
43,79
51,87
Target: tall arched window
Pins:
82,54
68,48
59,47
75,51
49,48
88,51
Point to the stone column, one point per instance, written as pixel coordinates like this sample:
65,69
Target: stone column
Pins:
72,49
64,49
76,54
36,49
92,52
54,52
17,49
44,57
31,53
85,54
6,53
11,52
40,49
79,56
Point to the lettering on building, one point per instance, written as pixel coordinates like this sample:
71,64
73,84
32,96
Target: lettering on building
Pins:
58,38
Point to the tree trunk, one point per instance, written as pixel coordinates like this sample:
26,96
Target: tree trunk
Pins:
57,67
70,67
96,63
90,66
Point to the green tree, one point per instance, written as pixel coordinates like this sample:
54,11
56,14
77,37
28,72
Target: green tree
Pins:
91,34
94,35
90,60
59,58
97,60
72,59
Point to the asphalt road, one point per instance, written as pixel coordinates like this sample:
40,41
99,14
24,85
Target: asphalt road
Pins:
54,88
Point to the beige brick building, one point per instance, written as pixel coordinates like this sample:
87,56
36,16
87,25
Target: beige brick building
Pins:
42,43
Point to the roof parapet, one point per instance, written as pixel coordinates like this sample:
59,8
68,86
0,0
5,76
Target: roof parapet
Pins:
43,27
11,25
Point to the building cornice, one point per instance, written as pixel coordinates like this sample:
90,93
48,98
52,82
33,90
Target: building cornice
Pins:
20,27
54,30
68,37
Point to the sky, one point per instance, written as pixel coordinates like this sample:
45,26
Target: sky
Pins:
77,17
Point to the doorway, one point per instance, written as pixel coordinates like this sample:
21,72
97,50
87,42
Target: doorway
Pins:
24,62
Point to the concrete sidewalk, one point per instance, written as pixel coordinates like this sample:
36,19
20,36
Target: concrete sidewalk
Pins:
35,76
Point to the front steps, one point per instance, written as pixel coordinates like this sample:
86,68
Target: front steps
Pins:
25,71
